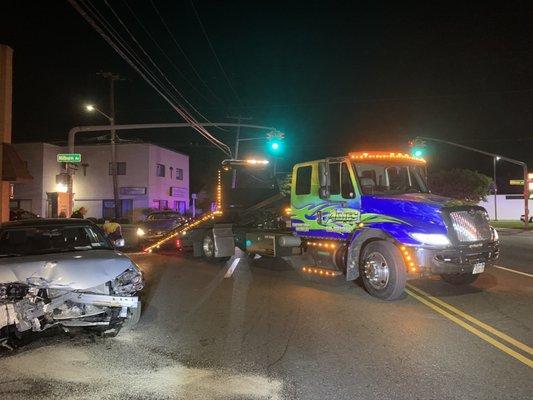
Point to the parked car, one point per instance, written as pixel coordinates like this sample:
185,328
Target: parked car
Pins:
523,218
64,272
157,224
17,214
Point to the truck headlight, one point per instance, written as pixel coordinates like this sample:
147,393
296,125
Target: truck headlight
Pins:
432,239
140,232
495,236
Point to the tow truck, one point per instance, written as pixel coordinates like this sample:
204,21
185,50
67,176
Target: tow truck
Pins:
367,215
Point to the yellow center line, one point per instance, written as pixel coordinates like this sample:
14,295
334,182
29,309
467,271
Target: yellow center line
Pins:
488,328
472,329
513,270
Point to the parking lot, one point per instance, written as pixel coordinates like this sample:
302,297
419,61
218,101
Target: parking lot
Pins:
269,333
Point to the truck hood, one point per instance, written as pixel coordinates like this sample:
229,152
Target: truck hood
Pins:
73,270
417,209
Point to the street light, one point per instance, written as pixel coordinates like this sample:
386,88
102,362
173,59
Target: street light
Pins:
92,108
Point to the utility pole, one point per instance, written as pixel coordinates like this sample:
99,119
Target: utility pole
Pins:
112,77
6,96
239,119
495,189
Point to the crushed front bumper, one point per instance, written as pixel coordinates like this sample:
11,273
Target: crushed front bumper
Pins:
456,260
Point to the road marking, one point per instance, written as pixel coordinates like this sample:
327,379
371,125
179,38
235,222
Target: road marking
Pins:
473,330
468,317
514,270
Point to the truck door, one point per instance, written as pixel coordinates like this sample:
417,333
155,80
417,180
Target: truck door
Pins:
343,210
331,213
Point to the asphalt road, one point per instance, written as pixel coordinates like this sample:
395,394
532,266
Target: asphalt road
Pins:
269,333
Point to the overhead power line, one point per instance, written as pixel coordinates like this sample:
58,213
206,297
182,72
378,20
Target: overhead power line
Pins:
215,54
180,49
163,52
151,59
130,56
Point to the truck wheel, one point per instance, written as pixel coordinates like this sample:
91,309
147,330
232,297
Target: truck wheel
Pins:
383,270
208,246
460,279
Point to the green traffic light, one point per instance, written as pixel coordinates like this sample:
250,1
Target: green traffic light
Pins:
274,146
418,152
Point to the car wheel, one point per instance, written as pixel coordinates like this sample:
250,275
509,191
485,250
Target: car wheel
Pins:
460,279
383,270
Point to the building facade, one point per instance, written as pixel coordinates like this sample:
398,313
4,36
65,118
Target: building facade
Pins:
149,176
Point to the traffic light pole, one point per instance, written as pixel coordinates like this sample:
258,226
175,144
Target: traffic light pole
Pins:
511,160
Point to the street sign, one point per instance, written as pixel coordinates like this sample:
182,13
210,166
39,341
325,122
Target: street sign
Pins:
516,182
69,157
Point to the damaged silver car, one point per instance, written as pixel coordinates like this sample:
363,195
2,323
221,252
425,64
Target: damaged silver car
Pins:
64,272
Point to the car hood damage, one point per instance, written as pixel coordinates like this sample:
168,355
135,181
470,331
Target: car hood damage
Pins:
92,288
73,270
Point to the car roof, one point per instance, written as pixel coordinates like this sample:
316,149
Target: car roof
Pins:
46,222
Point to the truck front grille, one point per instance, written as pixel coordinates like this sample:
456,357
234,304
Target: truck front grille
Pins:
470,225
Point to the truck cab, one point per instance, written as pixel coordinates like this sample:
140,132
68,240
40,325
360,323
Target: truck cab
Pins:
371,215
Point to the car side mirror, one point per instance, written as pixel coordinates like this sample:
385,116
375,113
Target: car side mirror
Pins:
323,180
119,243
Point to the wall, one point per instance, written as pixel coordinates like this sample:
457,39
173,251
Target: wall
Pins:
93,183
42,165
508,208
160,186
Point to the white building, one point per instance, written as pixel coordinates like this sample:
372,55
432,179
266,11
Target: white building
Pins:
149,176
508,206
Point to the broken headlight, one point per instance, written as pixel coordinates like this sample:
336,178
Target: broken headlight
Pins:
13,291
129,282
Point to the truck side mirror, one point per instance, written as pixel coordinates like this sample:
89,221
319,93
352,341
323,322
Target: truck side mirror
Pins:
323,180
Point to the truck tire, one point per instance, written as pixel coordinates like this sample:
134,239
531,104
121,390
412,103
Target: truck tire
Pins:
460,279
208,245
383,270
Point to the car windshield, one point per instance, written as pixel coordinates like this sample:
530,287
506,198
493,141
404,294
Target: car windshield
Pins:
390,178
17,241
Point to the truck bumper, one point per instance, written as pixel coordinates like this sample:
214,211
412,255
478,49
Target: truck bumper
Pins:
456,260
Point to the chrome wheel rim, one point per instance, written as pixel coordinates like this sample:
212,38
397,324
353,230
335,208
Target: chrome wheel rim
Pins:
208,246
376,270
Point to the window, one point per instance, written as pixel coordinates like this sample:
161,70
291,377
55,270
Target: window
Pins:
179,174
346,183
303,180
121,168
161,204
51,239
334,178
125,209
180,206
160,170
388,178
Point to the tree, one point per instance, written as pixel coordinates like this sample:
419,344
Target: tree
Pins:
461,184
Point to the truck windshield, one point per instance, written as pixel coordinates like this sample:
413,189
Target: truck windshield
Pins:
20,241
390,178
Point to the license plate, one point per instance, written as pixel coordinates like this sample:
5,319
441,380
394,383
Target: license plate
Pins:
478,268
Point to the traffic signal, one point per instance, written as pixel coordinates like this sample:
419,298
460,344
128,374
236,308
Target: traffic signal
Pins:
274,145
275,142
418,147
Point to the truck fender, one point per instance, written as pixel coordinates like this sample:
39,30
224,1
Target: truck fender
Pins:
359,238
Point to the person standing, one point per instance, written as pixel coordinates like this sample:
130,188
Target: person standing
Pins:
79,213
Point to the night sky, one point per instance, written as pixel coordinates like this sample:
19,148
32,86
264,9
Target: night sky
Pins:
334,76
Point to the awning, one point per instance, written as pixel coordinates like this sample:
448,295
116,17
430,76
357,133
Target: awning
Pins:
13,167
